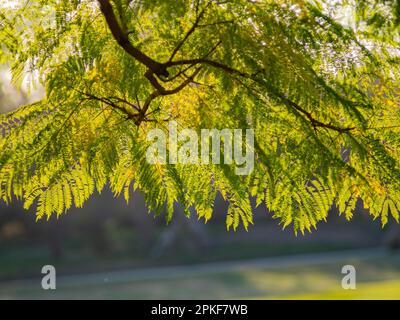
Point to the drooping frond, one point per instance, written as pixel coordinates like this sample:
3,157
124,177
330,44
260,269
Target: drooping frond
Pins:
320,91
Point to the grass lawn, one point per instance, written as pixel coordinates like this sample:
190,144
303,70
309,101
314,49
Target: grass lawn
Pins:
377,278
383,290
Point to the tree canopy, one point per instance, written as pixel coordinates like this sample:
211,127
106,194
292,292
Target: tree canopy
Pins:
317,81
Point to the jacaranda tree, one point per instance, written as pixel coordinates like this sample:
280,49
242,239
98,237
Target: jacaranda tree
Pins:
317,81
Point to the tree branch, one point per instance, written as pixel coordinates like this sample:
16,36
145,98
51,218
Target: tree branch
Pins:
212,63
314,122
190,31
108,102
160,69
161,91
123,40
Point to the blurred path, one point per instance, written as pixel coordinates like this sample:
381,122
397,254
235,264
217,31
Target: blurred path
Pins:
124,276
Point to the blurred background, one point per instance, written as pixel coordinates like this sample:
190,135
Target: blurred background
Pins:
113,250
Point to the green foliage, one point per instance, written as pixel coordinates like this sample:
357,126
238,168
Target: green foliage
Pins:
319,88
